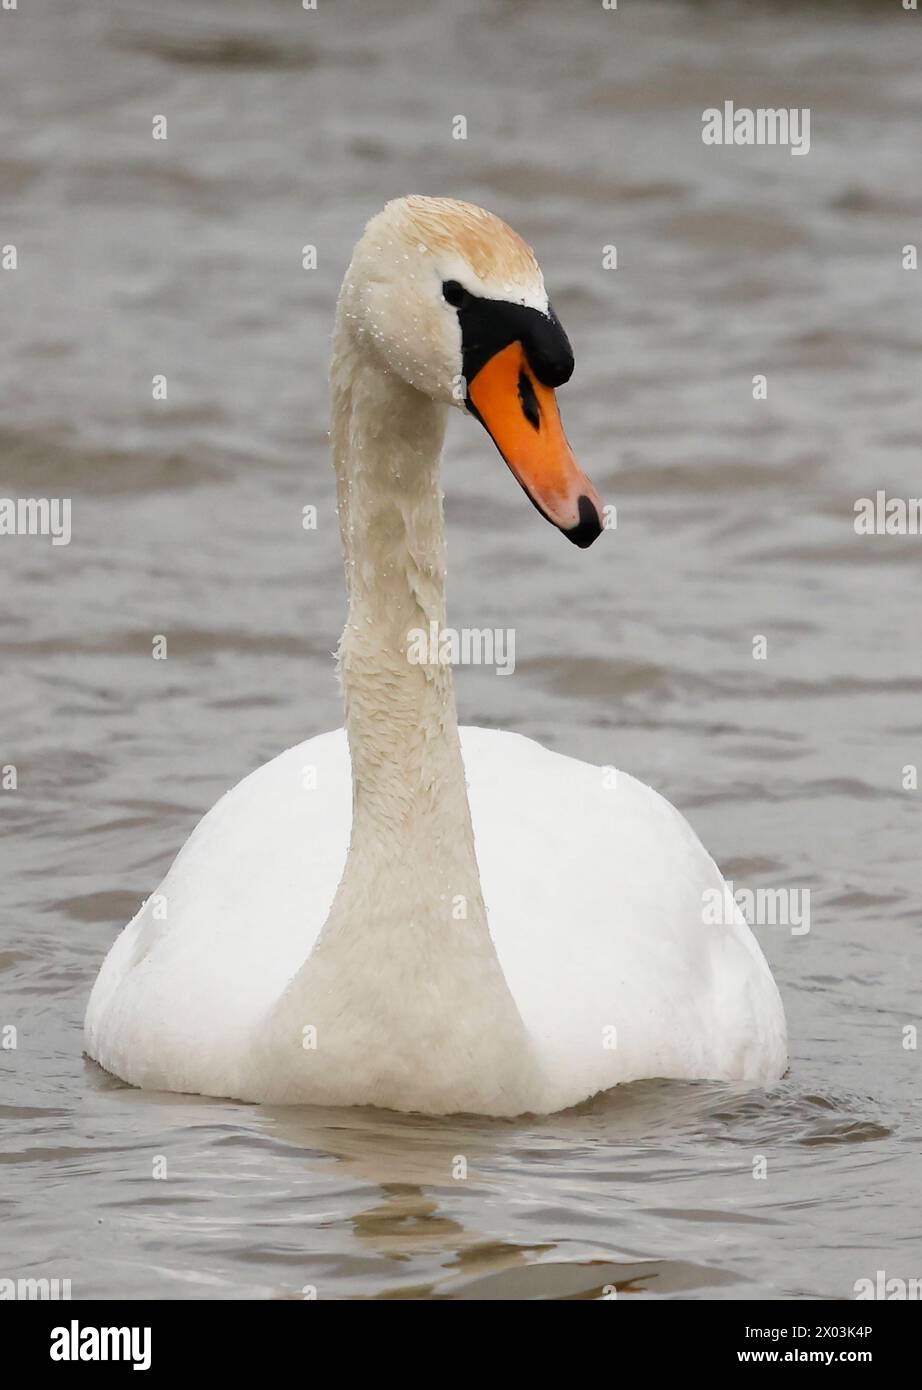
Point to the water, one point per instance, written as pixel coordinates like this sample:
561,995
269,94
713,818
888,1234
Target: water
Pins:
183,257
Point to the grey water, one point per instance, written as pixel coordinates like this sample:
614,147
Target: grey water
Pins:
288,128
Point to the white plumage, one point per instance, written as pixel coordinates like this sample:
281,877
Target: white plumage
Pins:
594,895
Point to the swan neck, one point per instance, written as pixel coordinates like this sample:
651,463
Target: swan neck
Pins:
403,984
401,719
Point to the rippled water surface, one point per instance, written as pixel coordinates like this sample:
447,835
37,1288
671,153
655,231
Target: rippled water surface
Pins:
287,128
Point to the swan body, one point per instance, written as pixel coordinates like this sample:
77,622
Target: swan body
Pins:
403,913
184,1003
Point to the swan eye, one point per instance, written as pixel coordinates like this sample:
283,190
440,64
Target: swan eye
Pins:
454,294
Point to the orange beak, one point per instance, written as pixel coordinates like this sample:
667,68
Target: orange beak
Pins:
521,416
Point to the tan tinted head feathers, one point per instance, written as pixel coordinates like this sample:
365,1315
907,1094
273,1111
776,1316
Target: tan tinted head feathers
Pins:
492,249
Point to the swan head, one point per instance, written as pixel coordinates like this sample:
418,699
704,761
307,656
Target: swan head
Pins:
453,301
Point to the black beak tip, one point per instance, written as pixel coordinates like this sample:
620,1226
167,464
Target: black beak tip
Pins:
589,526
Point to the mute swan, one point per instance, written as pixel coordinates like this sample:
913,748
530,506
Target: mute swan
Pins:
370,929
